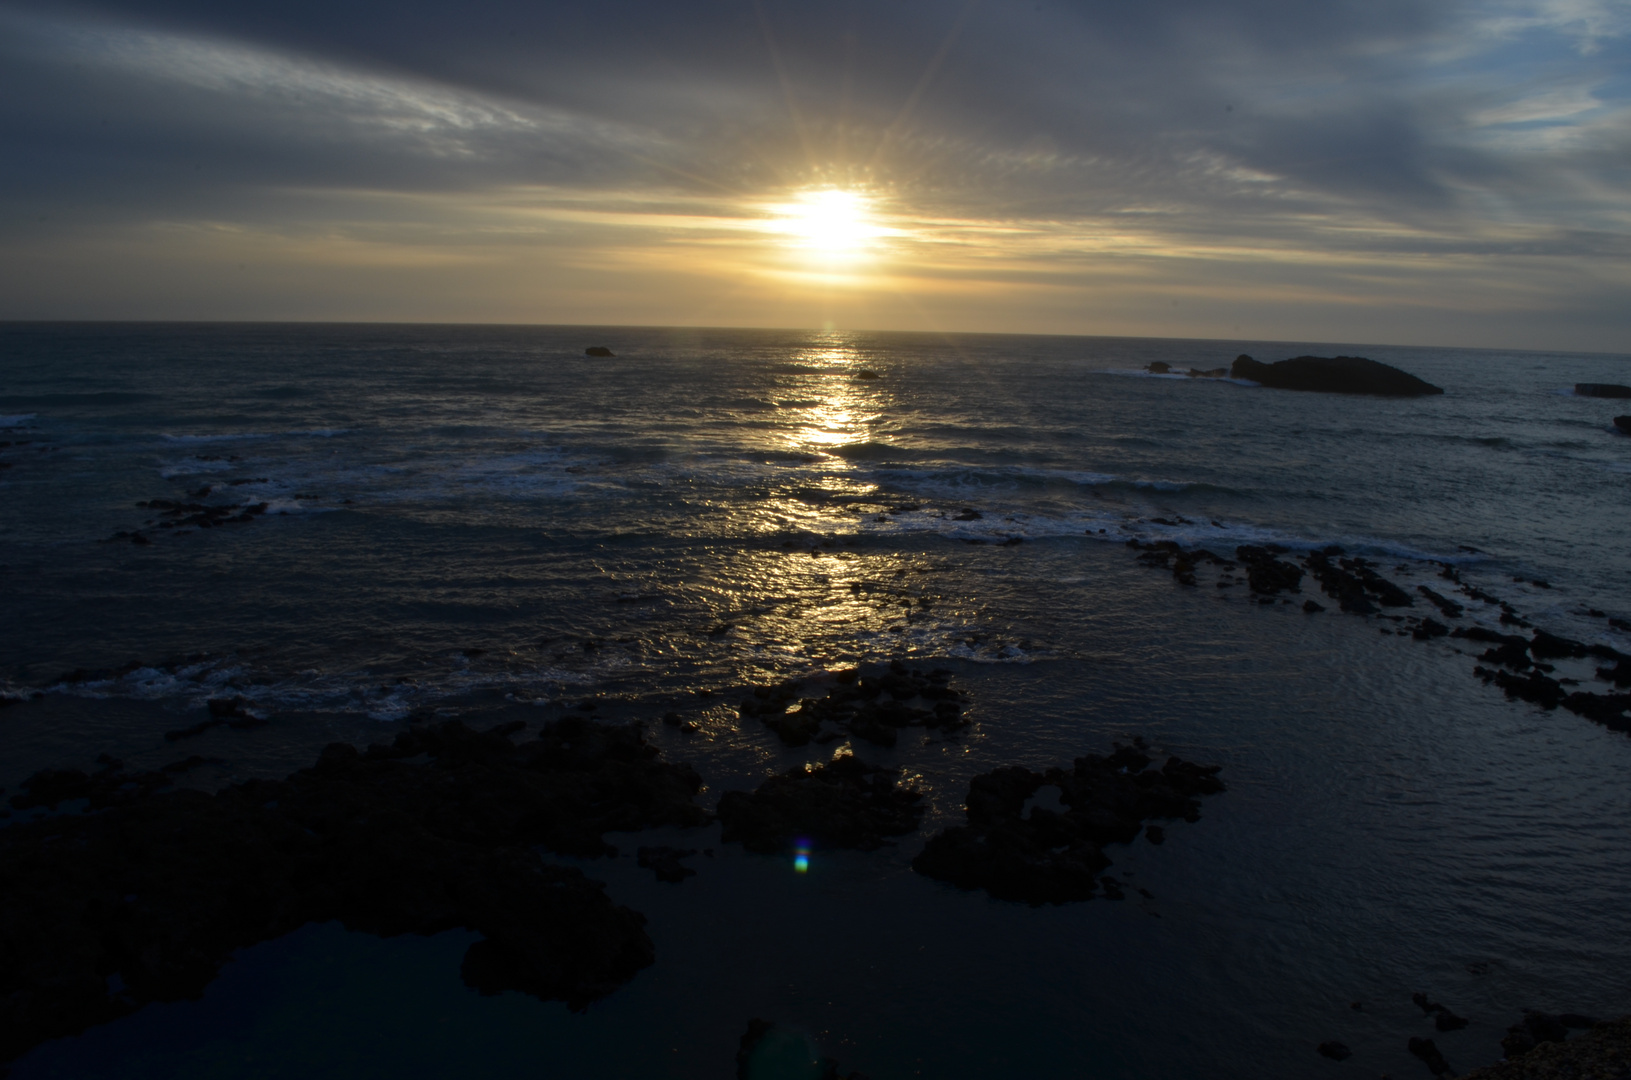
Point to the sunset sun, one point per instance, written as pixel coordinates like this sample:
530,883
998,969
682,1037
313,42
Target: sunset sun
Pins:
833,223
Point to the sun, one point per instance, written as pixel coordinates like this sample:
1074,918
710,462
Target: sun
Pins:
831,222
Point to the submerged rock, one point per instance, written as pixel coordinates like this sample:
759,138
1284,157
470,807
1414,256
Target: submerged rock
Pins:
1048,856
1333,375
598,350
843,804
436,831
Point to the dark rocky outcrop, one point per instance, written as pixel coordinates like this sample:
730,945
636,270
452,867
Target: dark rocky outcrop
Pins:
665,862
1047,856
598,350
1335,1051
1430,1056
1266,574
1333,375
1601,389
843,804
1443,1018
1603,1052
1623,423
873,705
144,898
1538,1028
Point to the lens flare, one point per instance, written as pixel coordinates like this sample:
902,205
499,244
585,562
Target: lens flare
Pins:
801,855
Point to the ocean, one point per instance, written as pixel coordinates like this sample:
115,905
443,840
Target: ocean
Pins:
353,529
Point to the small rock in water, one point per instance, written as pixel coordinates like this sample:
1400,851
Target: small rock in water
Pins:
598,350
1335,1051
665,862
1602,390
1430,1056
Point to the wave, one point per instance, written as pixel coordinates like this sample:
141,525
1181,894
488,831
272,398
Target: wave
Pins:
102,397
16,419
243,436
1180,376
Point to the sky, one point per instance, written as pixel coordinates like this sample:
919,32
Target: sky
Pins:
1436,172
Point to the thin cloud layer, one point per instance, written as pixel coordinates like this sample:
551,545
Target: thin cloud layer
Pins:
1386,171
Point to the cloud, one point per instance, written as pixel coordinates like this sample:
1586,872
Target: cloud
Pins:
1029,144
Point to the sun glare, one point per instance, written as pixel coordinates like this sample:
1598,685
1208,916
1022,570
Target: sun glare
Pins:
831,222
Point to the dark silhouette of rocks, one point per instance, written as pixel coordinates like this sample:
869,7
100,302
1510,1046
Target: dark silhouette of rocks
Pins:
1267,575
1623,423
1449,607
1443,1018
1046,856
1520,667
1335,1051
1601,389
176,514
1430,1056
1604,1051
1539,1028
598,350
665,862
843,804
873,706
1333,375
146,897
1158,367
867,373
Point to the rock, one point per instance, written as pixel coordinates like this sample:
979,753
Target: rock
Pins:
1209,373
1604,1052
438,830
1623,423
1601,389
867,373
843,804
1533,1030
1546,646
1450,608
1429,628
1430,1056
1053,857
665,862
1336,375
598,350
1312,608
874,706
1266,574
1157,367
1335,1051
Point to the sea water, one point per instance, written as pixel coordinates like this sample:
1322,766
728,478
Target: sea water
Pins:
485,522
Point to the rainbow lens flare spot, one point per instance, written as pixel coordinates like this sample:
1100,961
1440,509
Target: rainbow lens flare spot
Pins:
801,856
